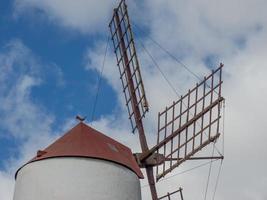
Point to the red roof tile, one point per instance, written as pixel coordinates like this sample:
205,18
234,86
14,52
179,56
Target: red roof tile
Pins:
84,141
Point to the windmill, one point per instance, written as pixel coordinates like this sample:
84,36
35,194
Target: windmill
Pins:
185,127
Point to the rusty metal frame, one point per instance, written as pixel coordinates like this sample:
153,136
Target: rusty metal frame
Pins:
128,64
131,79
169,195
198,123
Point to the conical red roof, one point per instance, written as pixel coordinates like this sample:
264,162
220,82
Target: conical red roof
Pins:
84,141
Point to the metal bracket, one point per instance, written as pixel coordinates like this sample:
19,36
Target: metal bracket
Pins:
153,160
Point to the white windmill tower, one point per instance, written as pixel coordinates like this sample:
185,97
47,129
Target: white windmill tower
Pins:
82,164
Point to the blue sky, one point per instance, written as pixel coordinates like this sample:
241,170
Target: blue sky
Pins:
54,47
51,54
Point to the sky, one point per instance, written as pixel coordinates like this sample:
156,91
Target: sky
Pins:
51,55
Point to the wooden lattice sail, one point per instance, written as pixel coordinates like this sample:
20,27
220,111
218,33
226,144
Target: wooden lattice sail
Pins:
190,124
127,63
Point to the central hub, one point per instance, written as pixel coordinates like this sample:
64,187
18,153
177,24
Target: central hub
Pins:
153,160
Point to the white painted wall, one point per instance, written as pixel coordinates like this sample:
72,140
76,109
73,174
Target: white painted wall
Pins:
71,178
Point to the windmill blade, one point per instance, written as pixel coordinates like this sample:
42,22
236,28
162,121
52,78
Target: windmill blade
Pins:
128,64
131,79
188,125
178,194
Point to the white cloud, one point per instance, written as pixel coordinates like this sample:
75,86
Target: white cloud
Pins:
22,74
83,15
231,31
22,119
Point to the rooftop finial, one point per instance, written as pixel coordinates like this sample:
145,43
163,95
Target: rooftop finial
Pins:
81,119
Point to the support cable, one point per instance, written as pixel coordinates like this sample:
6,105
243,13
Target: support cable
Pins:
172,56
223,127
100,80
169,53
158,67
183,172
208,180
221,164
217,180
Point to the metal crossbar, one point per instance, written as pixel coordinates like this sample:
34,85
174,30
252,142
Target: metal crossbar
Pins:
178,194
127,62
189,124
